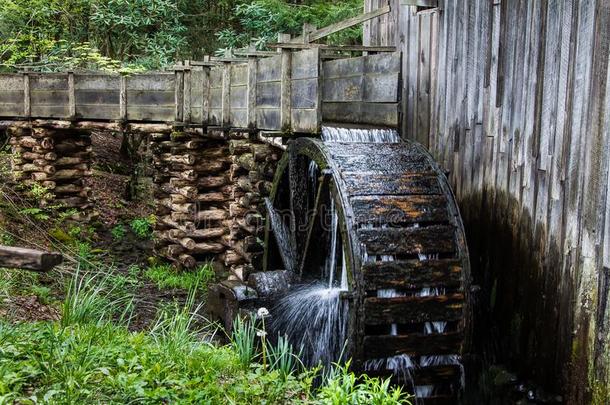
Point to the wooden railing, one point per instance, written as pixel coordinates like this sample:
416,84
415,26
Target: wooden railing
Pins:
292,91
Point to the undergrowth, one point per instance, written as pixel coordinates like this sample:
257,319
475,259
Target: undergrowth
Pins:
91,356
167,276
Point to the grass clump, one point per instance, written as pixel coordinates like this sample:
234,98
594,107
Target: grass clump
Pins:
167,276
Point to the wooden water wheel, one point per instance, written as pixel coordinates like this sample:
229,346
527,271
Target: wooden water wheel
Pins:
404,249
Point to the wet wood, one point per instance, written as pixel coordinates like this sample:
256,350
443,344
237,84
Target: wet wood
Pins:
413,274
400,210
400,241
415,344
382,311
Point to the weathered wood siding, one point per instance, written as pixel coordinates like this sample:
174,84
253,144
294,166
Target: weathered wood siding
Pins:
512,98
363,90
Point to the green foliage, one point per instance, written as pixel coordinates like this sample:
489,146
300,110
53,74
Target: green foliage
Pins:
283,358
244,341
343,387
167,276
37,214
118,232
93,300
150,32
132,35
143,227
6,238
260,21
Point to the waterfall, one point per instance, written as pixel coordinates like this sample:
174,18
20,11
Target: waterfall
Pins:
376,135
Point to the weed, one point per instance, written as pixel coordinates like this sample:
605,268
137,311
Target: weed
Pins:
6,238
143,227
37,214
166,276
343,387
282,357
118,232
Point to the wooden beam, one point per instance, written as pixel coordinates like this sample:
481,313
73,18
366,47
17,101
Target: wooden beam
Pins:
347,48
250,53
340,26
419,3
28,259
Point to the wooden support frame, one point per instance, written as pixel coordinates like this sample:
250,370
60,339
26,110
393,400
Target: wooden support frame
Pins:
350,22
337,48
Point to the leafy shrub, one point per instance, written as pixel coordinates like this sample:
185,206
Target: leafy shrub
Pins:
260,21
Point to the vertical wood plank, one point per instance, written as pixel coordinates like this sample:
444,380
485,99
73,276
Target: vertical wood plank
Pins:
71,96
187,114
252,71
27,106
226,95
123,98
179,97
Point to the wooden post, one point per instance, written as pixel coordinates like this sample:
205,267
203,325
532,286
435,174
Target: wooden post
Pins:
205,105
71,97
285,84
179,95
252,72
28,259
27,106
226,95
123,98
187,92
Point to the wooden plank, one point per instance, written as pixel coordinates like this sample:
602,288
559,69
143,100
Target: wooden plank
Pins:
252,73
366,183
402,310
413,274
400,210
382,114
28,259
415,344
226,95
408,241
342,25
286,86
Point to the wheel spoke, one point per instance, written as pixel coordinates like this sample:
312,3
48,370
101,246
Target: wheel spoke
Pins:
299,204
316,236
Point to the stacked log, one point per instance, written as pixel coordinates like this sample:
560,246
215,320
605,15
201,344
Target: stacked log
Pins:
252,170
57,159
193,192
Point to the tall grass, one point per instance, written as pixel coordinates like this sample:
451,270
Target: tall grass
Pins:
94,299
244,341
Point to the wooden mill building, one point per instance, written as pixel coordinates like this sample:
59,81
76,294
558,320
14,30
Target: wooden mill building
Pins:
512,98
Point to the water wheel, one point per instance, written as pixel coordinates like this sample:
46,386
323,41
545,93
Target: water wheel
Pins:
400,237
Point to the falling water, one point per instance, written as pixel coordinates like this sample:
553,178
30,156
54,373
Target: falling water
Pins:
314,316
282,236
377,135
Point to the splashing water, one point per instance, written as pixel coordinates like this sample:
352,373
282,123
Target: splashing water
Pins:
314,316
380,135
314,319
